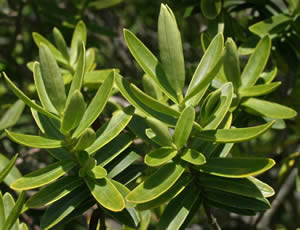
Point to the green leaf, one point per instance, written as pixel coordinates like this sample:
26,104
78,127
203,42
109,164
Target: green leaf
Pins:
124,192
106,194
178,209
149,63
61,43
111,129
194,157
176,189
184,127
14,173
233,135
54,191
237,201
12,115
207,69
211,8
35,141
43,176
158,183
90,64
2,211
256,63
63,207
170,47
258,90
52,78
85,140
79,73
269,109
265,189
26,99
160,156
103,4
41,90
97,172
161,131
236,167
15,212
79,35
151,88
73,112
96,106
271,26
96,77
6,170
232,63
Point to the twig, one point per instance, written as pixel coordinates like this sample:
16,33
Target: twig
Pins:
211,218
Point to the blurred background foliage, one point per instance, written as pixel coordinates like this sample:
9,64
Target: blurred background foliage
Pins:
199,21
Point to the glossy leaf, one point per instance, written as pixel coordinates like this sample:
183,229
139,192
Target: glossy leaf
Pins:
232,63
111,129
79,36
97,172
149,63
265,189
96,77
14,173
211,8
2,211
73,112
194,157
269,109
61,43
26,99
103,4
41,90
35,141
54,191
158,183
9,204
160,156
178,209
151,88
268,76
256,63
86,139
176,189
236,167
170,47
63,207
52,78
6,170
106,194
43,176
184,127
206,70
95,107
12,115
161,131
258,90
233,135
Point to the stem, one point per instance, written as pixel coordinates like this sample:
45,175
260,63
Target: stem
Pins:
211,218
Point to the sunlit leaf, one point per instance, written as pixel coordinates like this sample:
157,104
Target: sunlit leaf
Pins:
194,157
12,115
79,35
61,43
6,170
258,90
160,156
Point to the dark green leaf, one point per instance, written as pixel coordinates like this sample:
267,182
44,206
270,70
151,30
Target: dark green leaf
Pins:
232,63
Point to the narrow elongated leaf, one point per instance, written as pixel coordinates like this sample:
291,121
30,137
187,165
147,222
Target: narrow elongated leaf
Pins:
79,73
63,207
258,90
15,212
2,211
111,129
61,43
26,99
41,90
35,141
151,88
97,172
178,209
269,109
157,183
94,78
14,173
6,170
206,70
124,192
73,112
194,157
149,63
96,106
232,63
43,176
160,156
236,167
256,63
103,4
12,115
211,8
86,139
106,194
170,48
265,189
52,78
176,189
184,127
79,36
268,76
9,204
161,131
54,191
233,135
237,201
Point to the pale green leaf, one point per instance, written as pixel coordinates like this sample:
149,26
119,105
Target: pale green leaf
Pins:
2,211
61,43
194,157
103,4
85,140
9,204
160,156
12,115
258,90
232,64
265,189
151,88
14,173
6,170
161,131
97,172
79,36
